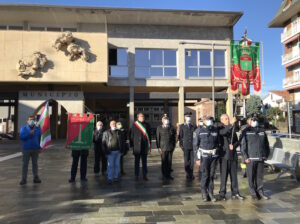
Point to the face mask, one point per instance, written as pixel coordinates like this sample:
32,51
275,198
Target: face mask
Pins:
254,124
200,123
31,123
167,122
119,127
209,123
99,127
114,128
188,120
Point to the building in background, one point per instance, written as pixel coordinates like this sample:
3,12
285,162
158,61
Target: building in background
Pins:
140,60
288,17
276,98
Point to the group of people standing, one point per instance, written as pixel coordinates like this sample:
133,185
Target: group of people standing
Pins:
206,144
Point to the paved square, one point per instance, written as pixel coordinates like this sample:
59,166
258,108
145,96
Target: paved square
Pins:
155,201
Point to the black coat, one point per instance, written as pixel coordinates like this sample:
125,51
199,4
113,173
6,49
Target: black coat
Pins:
255,144
138,141
226,136
166,138
186,137
97,139
125,149
107,138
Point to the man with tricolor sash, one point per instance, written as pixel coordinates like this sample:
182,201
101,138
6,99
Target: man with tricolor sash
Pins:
140,141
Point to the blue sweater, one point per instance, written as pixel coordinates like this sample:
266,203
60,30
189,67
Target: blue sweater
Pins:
30,142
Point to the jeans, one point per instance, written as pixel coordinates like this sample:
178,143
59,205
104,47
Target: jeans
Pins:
113,165
34,154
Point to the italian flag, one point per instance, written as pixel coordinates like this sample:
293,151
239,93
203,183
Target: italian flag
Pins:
44,123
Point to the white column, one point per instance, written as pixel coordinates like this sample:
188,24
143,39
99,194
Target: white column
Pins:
181,105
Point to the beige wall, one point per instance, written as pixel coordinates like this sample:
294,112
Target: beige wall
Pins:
15,45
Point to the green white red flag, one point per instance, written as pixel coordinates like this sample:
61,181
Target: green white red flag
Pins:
44,123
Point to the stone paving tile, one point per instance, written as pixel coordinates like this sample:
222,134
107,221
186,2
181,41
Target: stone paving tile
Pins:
155,201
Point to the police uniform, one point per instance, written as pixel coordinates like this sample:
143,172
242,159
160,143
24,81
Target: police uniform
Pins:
206,147
255,146
186,144
229,159
166,141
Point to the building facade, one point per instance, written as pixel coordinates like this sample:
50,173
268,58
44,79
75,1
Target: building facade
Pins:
139,60
288,17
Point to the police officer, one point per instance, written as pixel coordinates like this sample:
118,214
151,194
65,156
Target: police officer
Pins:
186,144
255,150
206,147
166,142
199,126
228,157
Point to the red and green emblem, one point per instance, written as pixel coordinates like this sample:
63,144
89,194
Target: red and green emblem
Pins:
80,131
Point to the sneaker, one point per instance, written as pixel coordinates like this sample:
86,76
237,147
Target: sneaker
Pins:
37,180
212,197
263,196
237,196
72,180
204,198
23,182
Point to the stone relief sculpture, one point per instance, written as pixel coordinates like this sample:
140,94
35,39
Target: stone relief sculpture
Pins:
31,65
66,42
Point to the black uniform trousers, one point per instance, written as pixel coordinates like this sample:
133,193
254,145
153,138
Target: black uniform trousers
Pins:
208,169
255,174
82,154
100,156
228,167
189,162
166,162
122,163
137,159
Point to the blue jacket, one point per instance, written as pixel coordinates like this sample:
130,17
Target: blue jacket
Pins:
30,142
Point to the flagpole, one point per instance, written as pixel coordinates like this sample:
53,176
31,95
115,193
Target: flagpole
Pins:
213,79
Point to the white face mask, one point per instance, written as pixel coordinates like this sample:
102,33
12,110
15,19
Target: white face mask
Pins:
167,122
209,123
254,124
99,127
201,123
188,120
114,128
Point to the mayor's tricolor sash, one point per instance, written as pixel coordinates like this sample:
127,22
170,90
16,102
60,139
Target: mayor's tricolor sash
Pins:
140,126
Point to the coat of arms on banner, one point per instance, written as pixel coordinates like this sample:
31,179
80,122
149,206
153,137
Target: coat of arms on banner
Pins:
80,131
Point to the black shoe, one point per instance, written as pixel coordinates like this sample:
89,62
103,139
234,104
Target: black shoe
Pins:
145,178
254,198
171,170
170,177
23,182
109,182
237,196
116,180
221,198
123,173
37,180
84,179
103,173
263,196
72,180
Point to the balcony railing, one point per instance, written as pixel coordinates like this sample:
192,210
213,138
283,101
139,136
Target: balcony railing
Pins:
290,33
292,81
290,57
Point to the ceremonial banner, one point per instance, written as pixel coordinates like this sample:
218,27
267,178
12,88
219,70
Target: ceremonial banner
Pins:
245,69
80,131
44,123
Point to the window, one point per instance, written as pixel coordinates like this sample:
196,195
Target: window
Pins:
118,66
155,63
198,63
